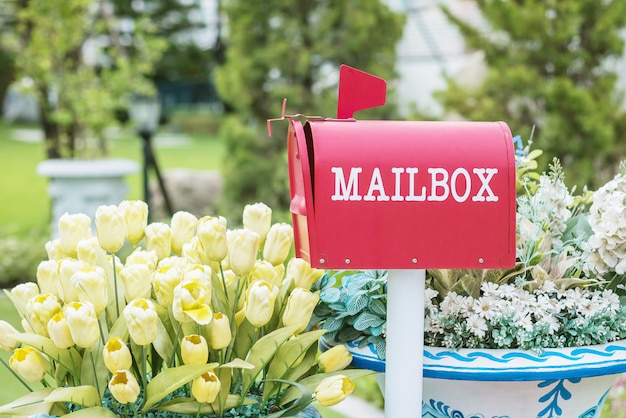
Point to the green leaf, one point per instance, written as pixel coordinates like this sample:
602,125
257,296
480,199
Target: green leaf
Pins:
80,395
188,406
95,412
262,353
30,404
46,346
169,380
367,320
311,382
163,343
93,371
299,405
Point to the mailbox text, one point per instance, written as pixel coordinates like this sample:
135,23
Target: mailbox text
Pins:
437,186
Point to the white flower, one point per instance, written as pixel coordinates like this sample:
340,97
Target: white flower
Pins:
477,325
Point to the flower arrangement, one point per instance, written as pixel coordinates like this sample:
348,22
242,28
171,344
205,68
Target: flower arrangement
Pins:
566,289
204,321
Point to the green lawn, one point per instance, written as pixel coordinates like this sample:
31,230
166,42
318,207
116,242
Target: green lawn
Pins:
24,198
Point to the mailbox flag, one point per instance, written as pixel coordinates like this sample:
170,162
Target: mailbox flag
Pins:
358,90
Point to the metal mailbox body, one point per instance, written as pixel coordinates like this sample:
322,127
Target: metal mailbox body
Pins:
402,195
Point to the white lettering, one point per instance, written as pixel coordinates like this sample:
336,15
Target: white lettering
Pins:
376,185
485,185
438,183
453,184
412,171
397,197
342,190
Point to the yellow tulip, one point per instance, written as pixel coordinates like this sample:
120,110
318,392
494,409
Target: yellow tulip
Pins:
90,251
260,300
278,243
243,246
90,283
212,244
136,278
29,363
48,276
83,323
116,355
333,390
302,274
72,229
198,272
299,309
142,321
54,250
159,239
7,336
110,228
164,280
59,331
192,302
139,256
41,309
206,387
219,334
66,290
124,387
135,215
258,218
264,270
194,349
337,358
25,292
183,229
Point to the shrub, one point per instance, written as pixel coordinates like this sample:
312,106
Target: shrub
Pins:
19,258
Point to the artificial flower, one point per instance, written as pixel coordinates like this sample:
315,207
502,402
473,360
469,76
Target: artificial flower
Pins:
259,305
257,217
83,323
124,387
158,239
7,336
116,355
194,349
191,302
206,387
333,390
142,321
183,228
29,363
72,229
135,215
59,331
212,244
243,246
300,306
110,228
278,243
220,334
334,359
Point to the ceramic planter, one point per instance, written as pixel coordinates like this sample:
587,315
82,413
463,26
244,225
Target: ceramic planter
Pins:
481,383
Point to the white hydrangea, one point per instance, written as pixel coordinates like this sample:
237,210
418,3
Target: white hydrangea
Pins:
607,245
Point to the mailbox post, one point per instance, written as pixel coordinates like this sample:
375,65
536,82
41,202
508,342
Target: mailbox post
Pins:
402,196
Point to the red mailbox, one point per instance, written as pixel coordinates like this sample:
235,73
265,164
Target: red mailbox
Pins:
402,195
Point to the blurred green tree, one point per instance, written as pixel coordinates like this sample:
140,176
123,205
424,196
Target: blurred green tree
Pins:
78,56
291,49
550,64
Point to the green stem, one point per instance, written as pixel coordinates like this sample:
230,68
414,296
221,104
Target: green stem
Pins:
117,304
176,343
95,373
17,376
224,282
198,412
144,374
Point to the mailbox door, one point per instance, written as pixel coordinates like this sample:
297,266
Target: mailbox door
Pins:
393,194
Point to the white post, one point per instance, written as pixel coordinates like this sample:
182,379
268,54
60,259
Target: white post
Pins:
404,363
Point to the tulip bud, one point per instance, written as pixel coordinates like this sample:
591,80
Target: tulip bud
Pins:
139,256
136,278
299,309
59,331
183,227
333,390
142,321
278,243
212,244
29,363
259,305
25,292
258,218
83,323
7,336
55,250
110,228
124,387
158,239
48,276
72,229
90,283
243,246
90,251
135,215
164,280
206,387
263,270
194,349
41,309
66,290
337,358
116,355
302,274
192,302
220,334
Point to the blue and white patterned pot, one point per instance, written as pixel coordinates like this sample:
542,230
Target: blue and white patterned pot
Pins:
483,383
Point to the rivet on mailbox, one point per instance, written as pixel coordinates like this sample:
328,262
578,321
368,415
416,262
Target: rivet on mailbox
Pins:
383,194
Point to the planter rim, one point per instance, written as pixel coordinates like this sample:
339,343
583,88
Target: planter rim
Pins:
102,167
505,364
